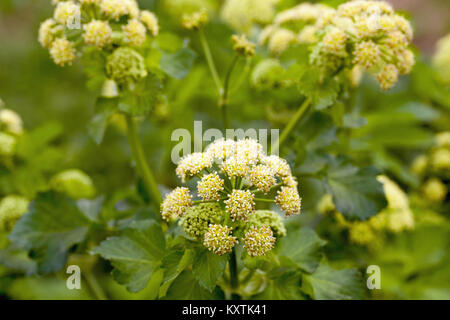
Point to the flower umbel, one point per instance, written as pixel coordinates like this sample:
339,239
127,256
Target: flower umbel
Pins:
259,241
219,240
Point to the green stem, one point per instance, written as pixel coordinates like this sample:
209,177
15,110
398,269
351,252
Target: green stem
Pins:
94,286
287,130
224,98
210,61
234,280
141,162
264,200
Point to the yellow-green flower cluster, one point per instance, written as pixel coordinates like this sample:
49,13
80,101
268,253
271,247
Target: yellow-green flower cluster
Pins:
361,33
195,21
75,183
441,59
104,24
219,240
269,218
258,241
12,207
11,127
236,175
294,25
176,204
435,190
437,160
242,46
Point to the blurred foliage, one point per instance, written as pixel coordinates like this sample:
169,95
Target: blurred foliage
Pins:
337,149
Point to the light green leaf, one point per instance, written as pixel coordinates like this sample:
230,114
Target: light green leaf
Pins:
140,100
136,254
208,267
178,64
322,93
356,192
301,249
50,228
104,109
329,284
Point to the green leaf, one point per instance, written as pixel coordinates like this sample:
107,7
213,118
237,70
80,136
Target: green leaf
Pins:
33,142
356,192
174,264
301,249
178,64
17,260
185,287
136,254
322,93
329,284
284,287
104,109
140,100
52,226
208,267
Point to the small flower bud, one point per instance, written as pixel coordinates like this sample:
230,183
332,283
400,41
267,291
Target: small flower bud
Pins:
12,207
195,21
435,190
75,183
242,46
10,122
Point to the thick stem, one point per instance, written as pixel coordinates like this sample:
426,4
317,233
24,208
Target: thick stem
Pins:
210,61
234,280
287,130
94,286
141,161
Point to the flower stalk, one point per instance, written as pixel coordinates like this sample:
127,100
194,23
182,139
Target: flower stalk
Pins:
141,162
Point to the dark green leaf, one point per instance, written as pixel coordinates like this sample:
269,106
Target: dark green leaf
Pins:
284,287
136,254
185,287
208,267
140,100
301,249
50,228
329,284
178,64
356,192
